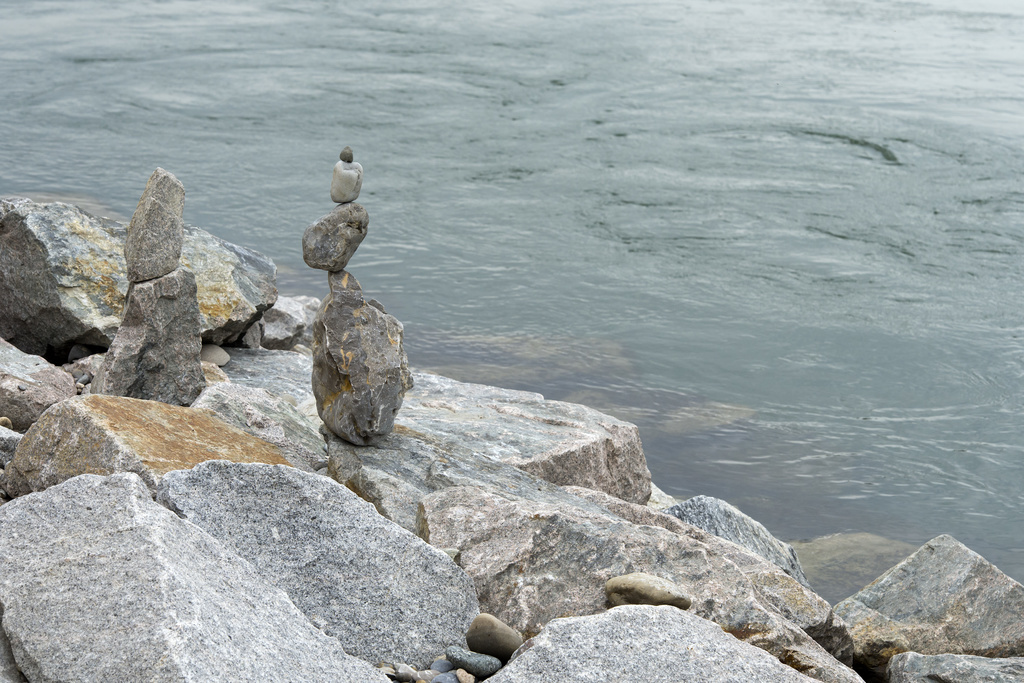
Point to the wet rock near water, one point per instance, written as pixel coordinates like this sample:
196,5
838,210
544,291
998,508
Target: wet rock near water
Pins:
384,593
642,643
360,370
156,232
943,599
104,435
155,354
839,565
103,584
722,519
29,385
911,667
63,278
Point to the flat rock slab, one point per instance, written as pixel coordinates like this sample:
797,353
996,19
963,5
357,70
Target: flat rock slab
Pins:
943,599
534,562
911,667
383,592
106,434
100,583
563,443
642,643
29,385
155,354
269,418
718,517
282,373
63,279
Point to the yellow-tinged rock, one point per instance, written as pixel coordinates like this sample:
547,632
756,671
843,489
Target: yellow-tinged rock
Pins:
98,434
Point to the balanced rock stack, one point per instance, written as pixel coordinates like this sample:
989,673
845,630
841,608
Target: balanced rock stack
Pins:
155,353
360,370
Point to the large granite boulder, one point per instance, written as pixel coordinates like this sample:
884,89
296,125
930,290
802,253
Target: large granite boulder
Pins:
63,279
329,243
781,592
9,672
29,385
943,599
718,517
564,443
533,562
155,353
103,584
156,232
911,667
642,643
360,370
290,322
282,373
267,417
384,593
98,434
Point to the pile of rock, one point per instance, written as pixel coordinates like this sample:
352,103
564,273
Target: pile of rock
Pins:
360,370
155,353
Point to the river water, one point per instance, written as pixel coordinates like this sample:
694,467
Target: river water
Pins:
785,237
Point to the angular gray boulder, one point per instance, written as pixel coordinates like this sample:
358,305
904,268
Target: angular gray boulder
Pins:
642,643
156,231
911,667
943,599
360,370
269,418
718,517
155,353
29,385
385,594
533,562
290,322
282,373
63,279
103,584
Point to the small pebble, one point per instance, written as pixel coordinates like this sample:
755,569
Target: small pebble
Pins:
214,354
448,677
464,676
346,155
6,422
79,387
404,672
22,387
426,675
387,670
442,666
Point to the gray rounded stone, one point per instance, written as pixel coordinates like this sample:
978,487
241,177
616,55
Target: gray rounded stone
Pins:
329,243
645,589
442,666
449,677
475,663
346,155
211,353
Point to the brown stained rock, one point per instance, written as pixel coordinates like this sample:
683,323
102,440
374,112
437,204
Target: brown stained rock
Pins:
534,562
99,434
29,385
943,599
360,370
155,234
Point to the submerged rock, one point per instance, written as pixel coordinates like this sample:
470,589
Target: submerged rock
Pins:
155,354
103,584
384,593
63,278
642,643
718,517
29,385
107,434
360,370
943,599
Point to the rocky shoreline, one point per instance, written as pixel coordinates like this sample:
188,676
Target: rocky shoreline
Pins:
234,538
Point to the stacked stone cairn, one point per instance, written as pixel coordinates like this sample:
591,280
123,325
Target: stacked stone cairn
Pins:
155,353
360,370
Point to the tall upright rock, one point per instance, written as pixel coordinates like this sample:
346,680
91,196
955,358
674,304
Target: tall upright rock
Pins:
155,353
360,370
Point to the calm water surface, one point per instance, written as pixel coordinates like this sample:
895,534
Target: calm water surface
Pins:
786,238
